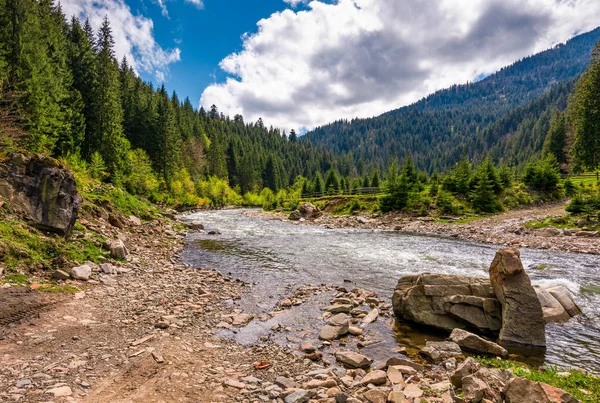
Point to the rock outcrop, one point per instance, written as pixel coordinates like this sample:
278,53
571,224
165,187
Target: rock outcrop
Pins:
448,302
506,305
522,315
309,211
42,191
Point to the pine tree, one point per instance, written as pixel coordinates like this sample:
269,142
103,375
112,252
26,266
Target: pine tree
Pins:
271,178
318,184
109,135
375,179
293,137
169,140
555,142
483,198
584,115
332,182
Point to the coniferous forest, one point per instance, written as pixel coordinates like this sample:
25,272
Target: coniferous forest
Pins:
63,93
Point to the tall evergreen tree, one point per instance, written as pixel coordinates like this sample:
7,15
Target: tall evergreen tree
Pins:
109,135
168,158
584,115
555,142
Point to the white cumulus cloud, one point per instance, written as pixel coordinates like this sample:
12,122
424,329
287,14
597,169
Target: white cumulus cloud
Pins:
133,34
359,58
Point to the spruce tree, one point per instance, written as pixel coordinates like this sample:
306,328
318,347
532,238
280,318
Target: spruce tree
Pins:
109,134
584,115
169,140
375,179
332,182
555,142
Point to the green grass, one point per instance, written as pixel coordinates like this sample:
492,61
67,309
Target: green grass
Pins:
24,248
566,221
17,279
585,387
587,180
112,197
56,289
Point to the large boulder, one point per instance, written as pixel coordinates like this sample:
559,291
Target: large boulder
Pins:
309,211
448,302
42,191
522,314
521,390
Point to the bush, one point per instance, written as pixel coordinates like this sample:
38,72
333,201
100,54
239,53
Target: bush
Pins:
543,175
139,177
218,192
269,202
446,204
516,196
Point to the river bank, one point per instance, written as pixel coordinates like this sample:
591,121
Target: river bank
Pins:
157,330
506,229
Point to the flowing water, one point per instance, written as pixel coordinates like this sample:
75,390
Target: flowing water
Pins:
275,256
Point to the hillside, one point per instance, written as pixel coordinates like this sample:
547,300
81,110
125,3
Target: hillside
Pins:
463,120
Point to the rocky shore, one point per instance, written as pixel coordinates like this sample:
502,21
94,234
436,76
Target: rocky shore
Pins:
143,327
503,229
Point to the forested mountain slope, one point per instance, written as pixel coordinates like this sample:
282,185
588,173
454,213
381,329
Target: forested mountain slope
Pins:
507,113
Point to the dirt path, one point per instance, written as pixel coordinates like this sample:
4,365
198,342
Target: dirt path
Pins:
501,229
146,336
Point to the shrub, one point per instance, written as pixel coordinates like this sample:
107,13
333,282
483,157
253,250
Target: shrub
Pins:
543,175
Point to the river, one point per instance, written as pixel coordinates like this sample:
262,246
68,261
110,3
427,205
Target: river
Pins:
276,256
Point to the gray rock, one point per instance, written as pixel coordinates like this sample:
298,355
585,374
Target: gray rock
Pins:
309,211
376,377
338,308
468,367
108,268
351,359
81,272
329,332
118,249
438,351
242,319
295,216
286,383
563,296
522,315
60,275
554,312
394,361
448,302
196,226
135,221
300,396
485,384
42,191
472,342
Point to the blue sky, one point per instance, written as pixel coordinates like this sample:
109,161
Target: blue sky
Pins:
299,64
204,36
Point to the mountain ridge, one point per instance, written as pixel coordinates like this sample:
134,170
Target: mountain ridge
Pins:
435,129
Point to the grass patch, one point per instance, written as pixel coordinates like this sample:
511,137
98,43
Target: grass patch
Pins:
584,387
57,289
24,248
17,279
565,222
111,197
